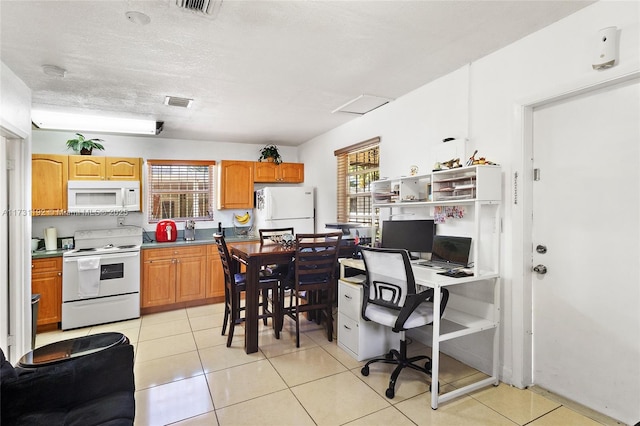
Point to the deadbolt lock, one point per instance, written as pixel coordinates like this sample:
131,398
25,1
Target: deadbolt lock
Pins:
541,249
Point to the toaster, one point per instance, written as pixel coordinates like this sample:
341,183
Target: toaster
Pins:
166,231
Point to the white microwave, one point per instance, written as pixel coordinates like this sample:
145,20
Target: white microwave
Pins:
103,196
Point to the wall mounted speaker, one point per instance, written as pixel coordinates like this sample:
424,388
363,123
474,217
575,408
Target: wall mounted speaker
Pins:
606,48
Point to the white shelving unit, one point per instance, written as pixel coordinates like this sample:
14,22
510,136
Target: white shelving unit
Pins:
478,188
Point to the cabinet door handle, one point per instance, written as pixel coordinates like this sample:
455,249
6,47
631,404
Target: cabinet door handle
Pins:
348,328
59,274
347,296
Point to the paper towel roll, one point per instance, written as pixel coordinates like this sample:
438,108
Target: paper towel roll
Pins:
50,239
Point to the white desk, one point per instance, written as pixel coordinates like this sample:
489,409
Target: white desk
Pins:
462,317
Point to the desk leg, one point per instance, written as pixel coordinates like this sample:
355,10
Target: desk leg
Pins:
251,311
435,348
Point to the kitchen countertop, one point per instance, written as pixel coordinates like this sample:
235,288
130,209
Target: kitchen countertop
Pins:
182,243
43,254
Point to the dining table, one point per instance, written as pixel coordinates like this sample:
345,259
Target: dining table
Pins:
254,254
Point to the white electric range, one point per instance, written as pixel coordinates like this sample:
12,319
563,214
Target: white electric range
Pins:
101,277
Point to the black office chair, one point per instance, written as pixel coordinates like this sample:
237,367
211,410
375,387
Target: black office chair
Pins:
312,279
235,284
390,299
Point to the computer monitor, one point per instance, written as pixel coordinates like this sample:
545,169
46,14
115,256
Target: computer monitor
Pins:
411,235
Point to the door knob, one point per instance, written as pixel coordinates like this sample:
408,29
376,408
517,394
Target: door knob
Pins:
541,269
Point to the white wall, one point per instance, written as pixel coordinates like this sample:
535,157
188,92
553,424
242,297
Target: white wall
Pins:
477,102
15,266
54,142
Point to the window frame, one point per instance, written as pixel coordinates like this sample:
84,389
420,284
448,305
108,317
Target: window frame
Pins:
345,177
151,193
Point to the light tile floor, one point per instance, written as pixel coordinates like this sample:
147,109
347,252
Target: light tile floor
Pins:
185,375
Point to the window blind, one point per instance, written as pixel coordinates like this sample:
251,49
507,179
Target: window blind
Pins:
180,190
357,166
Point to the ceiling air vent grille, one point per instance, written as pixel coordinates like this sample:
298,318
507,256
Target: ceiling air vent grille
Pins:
206,7
178,102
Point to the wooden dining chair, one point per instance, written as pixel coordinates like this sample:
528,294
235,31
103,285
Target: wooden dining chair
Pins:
312,277
274,236
235,284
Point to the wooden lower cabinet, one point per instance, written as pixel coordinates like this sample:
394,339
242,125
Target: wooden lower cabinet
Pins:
191,277
215,274
46,280
173,275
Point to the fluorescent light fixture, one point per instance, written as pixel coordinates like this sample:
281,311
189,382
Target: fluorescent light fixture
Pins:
94,123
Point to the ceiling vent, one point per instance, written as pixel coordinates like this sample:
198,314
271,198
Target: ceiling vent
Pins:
362,104
178,102
209,8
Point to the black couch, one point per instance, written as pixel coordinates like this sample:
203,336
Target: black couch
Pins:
95,389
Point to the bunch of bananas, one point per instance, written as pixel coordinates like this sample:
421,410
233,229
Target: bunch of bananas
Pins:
243,219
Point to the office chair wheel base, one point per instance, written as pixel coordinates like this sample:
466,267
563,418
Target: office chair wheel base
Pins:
365,371
388,356
390,393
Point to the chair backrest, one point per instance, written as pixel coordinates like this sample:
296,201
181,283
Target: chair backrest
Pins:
390,283
274,235
389,277
225,258
316,258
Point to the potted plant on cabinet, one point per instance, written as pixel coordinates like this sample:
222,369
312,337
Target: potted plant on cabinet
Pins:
270,153
84,146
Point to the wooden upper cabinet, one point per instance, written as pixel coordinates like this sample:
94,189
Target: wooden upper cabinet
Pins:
267,172
119,168
49,175
235,184
88,167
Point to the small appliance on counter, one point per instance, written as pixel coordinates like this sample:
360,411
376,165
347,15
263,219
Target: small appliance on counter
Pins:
190,230
51,239
166,231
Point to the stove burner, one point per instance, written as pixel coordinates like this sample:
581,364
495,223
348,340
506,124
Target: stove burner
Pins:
127,246
86,249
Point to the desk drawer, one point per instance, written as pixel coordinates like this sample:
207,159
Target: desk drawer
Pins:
350,299
348,333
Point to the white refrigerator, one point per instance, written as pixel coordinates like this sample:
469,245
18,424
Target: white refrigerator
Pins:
282,207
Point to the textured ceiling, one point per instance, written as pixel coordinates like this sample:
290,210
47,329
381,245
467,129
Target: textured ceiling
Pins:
260,71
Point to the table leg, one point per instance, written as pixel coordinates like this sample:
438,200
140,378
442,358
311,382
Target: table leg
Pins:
435,348
251,303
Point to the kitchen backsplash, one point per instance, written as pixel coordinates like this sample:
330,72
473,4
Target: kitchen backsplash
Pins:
67,225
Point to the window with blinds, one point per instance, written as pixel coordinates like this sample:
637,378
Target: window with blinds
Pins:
180,190
358,166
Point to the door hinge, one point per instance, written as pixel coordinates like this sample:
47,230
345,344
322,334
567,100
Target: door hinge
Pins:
10,164
536,175
11,340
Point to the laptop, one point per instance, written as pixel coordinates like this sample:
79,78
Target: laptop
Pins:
448,252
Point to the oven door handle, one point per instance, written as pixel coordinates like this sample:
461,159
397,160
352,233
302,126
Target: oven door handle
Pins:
106,256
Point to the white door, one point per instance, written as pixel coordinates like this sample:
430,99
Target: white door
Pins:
586,308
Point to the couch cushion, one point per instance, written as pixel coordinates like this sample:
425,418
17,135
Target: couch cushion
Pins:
80,385
6,369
